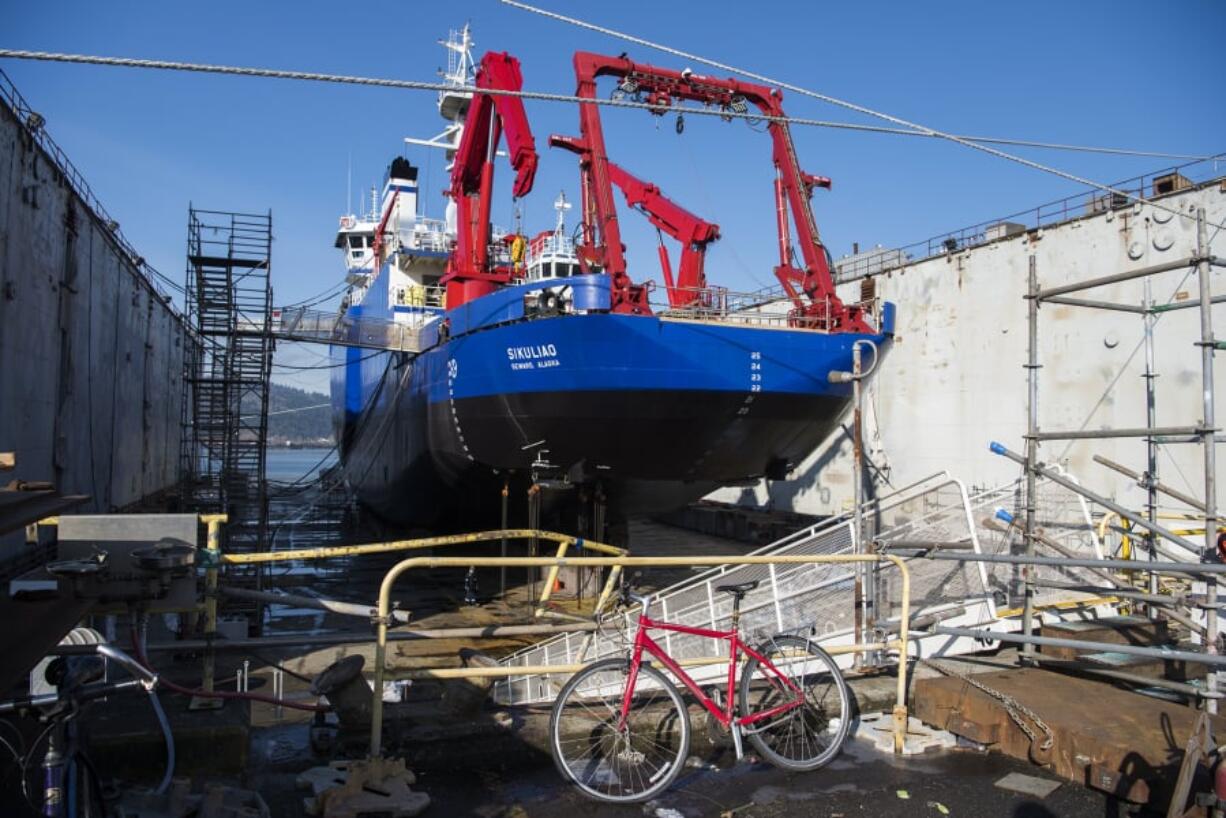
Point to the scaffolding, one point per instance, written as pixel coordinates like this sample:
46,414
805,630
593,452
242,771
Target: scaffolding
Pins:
1159,541
226,376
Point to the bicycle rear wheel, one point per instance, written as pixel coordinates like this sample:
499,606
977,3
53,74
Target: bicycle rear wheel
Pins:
623,765
810,734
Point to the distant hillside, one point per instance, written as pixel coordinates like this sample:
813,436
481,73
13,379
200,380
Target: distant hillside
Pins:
297,417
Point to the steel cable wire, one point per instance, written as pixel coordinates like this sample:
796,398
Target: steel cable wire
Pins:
908,128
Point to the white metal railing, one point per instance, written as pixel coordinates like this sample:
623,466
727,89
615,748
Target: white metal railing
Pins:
426,234
300,324
818,600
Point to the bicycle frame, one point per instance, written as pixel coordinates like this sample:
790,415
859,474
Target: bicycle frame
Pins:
644,643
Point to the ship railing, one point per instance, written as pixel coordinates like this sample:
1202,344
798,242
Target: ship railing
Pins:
551,245
720,305
1141,189
426,234
762,308
340,329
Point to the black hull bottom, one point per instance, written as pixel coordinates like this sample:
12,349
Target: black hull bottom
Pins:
656,436
648,452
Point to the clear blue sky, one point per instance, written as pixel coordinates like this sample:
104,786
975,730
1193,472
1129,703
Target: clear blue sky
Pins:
1131,74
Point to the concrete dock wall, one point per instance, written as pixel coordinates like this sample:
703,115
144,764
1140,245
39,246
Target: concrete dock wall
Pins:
955,379
91,354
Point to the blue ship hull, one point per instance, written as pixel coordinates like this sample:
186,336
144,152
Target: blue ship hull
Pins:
657,411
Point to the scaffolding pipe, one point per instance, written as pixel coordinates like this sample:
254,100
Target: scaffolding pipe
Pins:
1145,483
1195,569
1179,599
1107,434
1092,304
1210,450
1186,305
1117,583
1061,480
1032,444
1073,666
1091,283
1210,659
389,580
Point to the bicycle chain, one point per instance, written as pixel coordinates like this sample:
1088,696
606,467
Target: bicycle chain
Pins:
1013,707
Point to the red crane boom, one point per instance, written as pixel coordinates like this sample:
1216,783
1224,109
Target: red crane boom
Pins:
692,232
810,289
469,272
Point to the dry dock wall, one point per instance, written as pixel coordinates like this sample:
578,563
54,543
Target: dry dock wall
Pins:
91,355
955,379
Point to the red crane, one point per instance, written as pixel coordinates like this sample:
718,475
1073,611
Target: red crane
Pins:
665,215
811,288
469,271
693,233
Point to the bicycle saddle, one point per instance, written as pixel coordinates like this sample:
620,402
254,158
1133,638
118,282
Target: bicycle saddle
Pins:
739,589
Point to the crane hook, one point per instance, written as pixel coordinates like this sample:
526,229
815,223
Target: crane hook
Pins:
680,123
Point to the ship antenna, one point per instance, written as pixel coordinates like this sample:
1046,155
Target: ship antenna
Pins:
561,205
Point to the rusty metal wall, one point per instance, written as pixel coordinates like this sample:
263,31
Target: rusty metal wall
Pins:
90,353
954,381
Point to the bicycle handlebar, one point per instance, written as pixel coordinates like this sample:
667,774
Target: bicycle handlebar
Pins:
147,677
142,677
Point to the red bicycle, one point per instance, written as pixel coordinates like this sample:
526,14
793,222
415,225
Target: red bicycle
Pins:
620,730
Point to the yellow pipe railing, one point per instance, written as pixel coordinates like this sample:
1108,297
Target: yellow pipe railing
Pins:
213,545
331,551
389,580
565,541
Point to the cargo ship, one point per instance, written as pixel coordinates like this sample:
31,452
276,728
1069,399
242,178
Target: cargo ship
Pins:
540,362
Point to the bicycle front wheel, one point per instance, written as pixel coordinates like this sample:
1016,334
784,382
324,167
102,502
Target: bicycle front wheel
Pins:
613,762
810,733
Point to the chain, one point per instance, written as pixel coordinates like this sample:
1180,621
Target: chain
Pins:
1013,707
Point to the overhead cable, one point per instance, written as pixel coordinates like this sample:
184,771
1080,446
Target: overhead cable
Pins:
416,85
915,128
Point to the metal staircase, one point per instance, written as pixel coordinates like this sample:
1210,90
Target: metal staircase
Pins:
819,601
229,305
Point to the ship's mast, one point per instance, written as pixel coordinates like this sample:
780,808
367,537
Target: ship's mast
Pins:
561,205
453,104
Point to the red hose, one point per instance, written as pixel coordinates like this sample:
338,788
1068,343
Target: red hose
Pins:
220,694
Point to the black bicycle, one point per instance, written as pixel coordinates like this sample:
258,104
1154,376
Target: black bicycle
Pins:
70,783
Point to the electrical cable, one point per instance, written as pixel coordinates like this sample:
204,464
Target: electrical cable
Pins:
910,129
915,129
164,784
332,291
13,750
315,367
220,694
299,676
